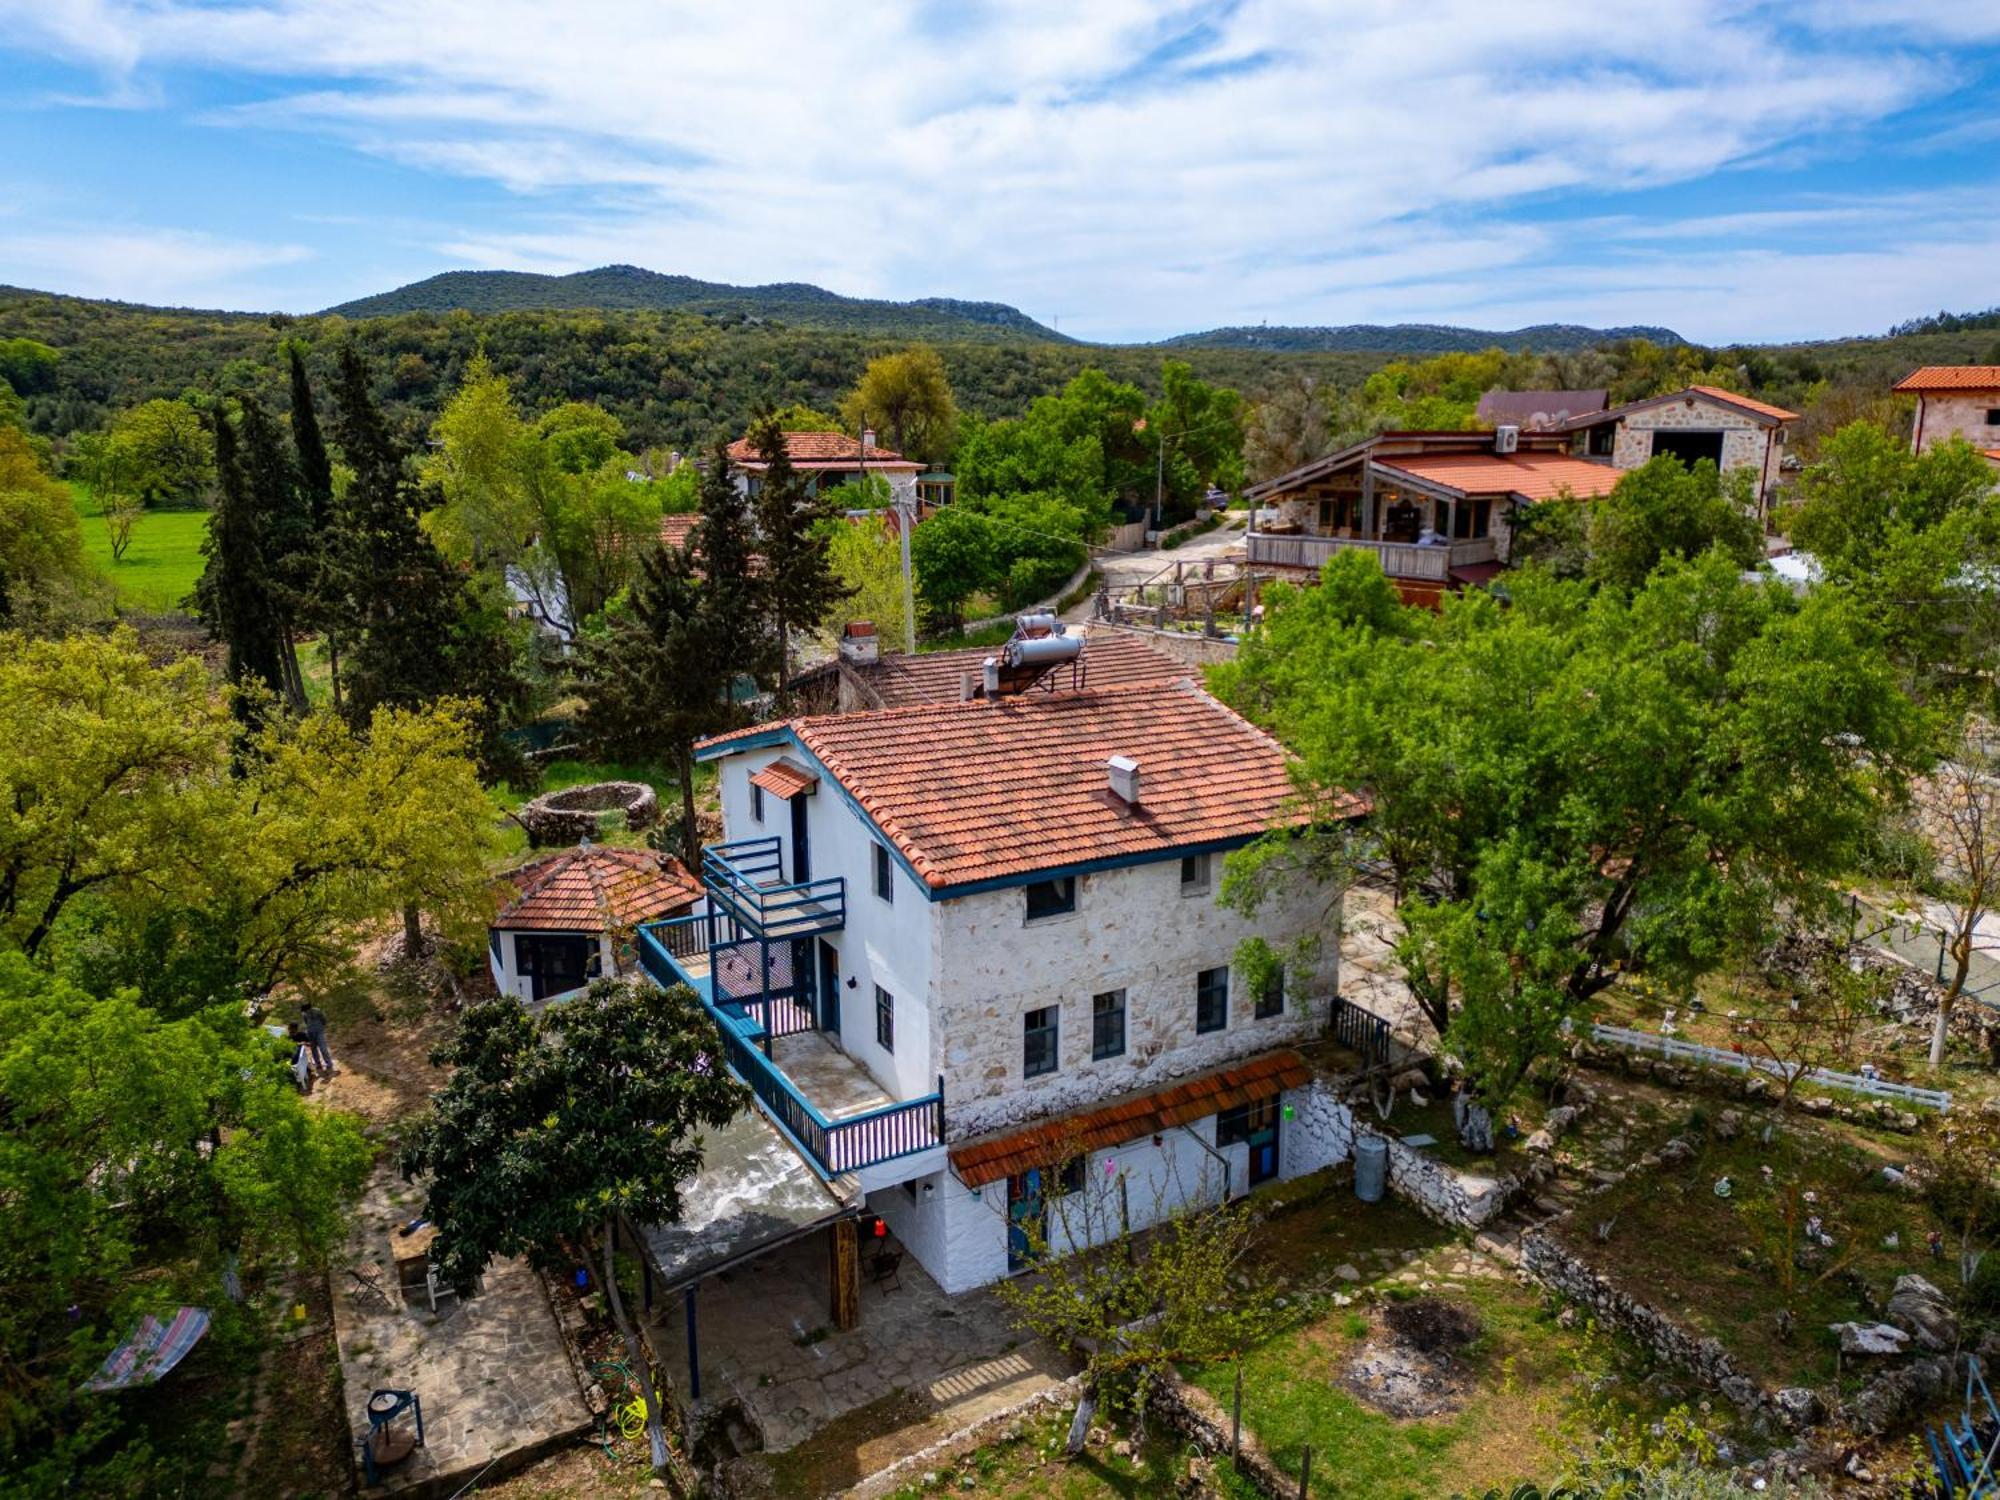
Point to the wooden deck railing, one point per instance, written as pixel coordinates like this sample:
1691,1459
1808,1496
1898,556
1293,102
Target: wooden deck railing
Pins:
1398,559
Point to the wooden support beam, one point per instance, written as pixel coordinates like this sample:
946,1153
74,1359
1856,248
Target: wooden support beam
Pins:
844,1273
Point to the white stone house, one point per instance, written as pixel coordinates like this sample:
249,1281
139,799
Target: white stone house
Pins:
972,955
568,918
1956,401
1703,421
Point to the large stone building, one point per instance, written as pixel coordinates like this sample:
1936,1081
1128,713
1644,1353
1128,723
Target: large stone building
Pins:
1956,401
1703,421
970,956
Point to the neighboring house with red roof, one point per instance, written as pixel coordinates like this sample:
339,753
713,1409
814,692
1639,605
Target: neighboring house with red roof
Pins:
1703,421
1955,401
1004,913
828,459
567,918
1434,508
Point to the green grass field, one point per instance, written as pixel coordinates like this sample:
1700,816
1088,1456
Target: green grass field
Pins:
160,567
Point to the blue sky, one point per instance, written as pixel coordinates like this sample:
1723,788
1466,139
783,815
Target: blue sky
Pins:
1734,171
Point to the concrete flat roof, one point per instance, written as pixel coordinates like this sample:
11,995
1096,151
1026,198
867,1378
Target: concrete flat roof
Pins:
753,1193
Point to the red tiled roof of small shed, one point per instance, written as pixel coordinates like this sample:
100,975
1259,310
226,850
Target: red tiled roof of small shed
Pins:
1952,378
1762,408
1049,1143
977,791
675,531
594,888
808,449
1533,476
1110,659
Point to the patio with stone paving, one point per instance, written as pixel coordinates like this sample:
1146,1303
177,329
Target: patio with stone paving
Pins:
494,1378
766,1340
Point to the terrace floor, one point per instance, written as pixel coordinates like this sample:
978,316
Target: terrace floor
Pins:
837,1085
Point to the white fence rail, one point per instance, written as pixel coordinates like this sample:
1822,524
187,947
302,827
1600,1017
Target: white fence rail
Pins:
1671,1047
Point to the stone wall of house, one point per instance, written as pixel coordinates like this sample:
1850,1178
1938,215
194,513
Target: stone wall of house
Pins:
1745,444
1961,414
1318,1134
1133,929
1562,1270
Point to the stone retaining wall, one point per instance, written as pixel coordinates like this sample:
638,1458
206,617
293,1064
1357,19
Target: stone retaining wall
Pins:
1561,1270
1465,1200
1197,1416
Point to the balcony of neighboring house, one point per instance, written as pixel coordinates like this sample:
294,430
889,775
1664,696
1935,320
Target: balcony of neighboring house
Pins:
1415,530
750,957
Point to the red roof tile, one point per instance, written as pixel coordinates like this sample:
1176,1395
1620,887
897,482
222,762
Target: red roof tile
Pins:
1730,398
809,450
675,530
596,888
984,790
1952,378
781,778
1111,658
1532,476
1053,1141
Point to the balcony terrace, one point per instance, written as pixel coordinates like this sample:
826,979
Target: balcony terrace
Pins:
748,960
1432,564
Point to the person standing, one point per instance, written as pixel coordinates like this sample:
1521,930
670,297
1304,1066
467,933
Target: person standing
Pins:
314,1020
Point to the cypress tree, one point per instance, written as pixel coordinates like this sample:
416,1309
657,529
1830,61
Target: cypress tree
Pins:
235,596
797,582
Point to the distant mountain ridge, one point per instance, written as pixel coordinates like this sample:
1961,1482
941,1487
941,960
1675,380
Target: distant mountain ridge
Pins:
1416,338
800,304
633,288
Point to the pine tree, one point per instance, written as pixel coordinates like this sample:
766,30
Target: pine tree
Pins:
797,582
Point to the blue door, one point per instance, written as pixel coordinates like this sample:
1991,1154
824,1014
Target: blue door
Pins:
1027,1225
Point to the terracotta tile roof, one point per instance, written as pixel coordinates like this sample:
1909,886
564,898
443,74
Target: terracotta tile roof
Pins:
979,791
1052,1141
782,778
1730,398
1952,378
675,530
1111,658
1532,476
595,888
1992,453
808,450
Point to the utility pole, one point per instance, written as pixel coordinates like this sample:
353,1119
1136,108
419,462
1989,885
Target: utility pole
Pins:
906,516
1160,481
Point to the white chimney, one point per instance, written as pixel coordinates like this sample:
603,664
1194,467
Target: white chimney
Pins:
859,643
992,676
867,440
1124,779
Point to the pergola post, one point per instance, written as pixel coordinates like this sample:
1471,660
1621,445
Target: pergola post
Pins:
844,1273
1368,532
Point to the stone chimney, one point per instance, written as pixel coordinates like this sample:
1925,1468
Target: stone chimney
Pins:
1124,773
859,643
867,440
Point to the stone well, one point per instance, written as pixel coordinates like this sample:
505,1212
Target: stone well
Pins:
579,812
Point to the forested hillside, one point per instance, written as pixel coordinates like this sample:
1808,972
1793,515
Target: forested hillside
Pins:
1418,338
796,304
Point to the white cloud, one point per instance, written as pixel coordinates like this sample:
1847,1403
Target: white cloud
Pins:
1135,167
143,265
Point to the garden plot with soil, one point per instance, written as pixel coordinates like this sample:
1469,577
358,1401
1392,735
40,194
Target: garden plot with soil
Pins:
1807,1230
1417,1365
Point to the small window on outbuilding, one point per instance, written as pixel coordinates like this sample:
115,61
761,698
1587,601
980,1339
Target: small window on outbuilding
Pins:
885,874
1051,898
1993,416
756,802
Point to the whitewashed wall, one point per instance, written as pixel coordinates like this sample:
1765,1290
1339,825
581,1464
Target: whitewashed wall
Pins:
506,967
1132,930
957,1234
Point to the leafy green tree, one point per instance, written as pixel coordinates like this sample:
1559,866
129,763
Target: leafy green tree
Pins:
581,437
28,366
553,1128
167,450
952,556
905,396
797,586
1578,783
478,465
1665,509
1867,487
1197,430
1289,425
867,559
45,580
143,1159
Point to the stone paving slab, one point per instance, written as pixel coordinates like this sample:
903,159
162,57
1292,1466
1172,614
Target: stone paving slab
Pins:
494,1378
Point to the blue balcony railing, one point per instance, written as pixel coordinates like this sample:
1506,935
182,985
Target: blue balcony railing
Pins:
834,1146
745,878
